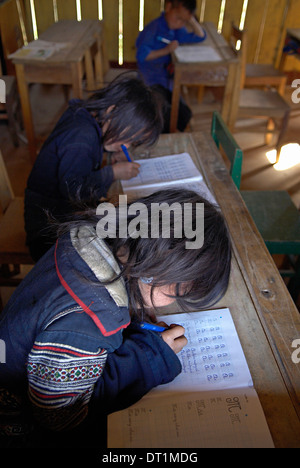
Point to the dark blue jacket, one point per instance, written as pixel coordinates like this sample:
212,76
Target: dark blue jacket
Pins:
70,159
70,344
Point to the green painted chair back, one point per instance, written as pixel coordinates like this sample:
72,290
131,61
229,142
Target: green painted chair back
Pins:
224,139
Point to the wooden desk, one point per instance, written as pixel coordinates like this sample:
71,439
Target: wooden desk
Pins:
265,316
224,72
64,67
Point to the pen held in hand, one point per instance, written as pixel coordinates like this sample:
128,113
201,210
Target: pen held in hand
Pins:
163,39
125,151
151,326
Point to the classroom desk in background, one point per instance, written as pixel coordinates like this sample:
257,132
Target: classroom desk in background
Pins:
66,66
264,314
219,66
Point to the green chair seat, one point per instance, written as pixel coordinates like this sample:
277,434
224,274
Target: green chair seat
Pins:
277,219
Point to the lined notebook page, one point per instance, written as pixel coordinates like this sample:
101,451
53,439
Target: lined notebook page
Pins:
212,403
197,53
172,171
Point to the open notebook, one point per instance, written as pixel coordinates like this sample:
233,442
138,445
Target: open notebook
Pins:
212,403
173,171
197,53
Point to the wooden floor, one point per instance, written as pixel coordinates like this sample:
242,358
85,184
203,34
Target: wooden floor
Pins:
48,103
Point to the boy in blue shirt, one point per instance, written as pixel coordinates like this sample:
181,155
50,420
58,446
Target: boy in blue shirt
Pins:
156,43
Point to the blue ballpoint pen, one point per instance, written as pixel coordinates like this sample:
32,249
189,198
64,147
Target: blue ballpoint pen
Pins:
163,39
125,151
151,326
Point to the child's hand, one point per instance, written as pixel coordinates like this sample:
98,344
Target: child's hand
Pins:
174,337
172,46
118,157
125,170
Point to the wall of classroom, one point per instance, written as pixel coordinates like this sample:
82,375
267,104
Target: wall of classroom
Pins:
265,20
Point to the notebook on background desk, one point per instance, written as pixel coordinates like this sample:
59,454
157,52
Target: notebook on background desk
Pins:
211,404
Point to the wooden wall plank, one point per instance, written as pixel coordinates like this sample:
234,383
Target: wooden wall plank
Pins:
254,17
66,9
233,12
130,29
111,27
271,32
11,34
44,14
89,9
212,11
27,20
152,10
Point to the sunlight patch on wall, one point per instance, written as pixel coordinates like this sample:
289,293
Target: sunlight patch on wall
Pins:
22,24
120,32
221,16
78,10
243,15
55,11
100,10
141,15
33,17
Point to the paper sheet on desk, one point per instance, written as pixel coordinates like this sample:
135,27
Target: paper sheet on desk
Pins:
172,171
39,50
212,403
197,53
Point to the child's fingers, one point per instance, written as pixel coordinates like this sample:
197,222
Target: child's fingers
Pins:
175,338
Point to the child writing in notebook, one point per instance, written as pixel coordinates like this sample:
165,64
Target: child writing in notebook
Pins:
156,43
75,347
126,112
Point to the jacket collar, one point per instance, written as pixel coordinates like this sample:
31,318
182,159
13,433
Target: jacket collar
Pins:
83,261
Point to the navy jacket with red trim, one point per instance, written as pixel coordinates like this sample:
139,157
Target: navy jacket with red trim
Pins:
61,304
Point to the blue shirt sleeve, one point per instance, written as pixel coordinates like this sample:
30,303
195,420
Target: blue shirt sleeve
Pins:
184,37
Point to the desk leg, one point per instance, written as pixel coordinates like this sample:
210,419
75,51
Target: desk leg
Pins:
77,80
88,61
231,96
175,101
99,65
26,110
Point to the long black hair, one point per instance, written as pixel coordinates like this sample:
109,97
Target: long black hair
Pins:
132,110
204,271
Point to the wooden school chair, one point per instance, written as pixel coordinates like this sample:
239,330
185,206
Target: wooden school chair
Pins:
225,140
260,103
13,251
259,74
273,212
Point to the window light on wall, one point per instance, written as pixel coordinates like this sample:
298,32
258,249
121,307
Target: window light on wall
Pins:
78,10
120,32
100,10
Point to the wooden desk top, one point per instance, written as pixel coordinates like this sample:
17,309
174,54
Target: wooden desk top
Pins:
79,35
265,316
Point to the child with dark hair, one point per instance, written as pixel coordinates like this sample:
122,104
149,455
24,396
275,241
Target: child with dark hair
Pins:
125,112
154,47
75,347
